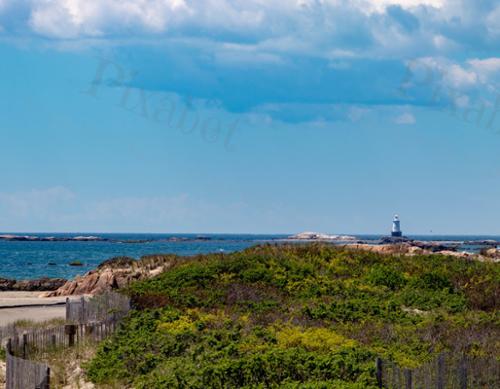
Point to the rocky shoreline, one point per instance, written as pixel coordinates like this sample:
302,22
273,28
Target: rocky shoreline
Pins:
39,285
435,246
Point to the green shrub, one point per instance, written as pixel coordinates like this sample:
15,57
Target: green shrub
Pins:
434,281
217,321
386,276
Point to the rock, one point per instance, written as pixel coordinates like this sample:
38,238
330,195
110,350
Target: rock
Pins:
6,284
492,252
32,238
115,273
456,254
321,237
42,284
435,246
402,248
487,242
394,239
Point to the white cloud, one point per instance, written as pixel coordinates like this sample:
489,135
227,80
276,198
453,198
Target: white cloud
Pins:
73,18
299,35
459,77
327,28
380,5
433,70
492,21
487,65
405,118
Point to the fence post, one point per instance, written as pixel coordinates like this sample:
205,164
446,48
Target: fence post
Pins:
440,372
378,367
70,330
82,319
16,343
462,373
408,379
47,382
25,344
68,306
8,360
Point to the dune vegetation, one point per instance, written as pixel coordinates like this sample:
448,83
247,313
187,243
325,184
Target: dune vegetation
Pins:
299,316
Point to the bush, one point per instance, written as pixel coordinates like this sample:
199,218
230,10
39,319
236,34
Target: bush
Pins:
434,281
385,276
295,316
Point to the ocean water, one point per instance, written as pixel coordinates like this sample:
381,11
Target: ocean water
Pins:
30,260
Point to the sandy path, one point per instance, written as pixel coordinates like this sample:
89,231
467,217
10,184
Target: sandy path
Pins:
11,315
25,312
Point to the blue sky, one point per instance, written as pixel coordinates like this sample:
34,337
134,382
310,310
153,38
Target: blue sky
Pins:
250,116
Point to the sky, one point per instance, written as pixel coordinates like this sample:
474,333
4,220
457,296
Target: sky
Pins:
250,116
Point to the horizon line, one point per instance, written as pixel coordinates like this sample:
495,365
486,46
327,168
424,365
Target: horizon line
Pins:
246,233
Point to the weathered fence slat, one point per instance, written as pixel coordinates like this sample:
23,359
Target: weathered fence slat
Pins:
24,374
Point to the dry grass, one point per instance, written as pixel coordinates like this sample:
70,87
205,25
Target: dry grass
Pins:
31,324
66,366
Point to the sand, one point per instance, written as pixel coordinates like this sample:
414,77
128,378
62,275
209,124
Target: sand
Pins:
16,306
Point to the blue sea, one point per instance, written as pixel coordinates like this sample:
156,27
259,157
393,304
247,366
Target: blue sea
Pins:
30,260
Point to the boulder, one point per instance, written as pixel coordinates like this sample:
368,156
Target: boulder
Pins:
115,273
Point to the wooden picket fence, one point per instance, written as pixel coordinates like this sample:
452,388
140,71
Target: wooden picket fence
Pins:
38,341
446,372
88,320
24,374
98,308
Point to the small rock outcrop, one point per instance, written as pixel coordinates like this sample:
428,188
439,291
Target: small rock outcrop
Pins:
400,248
317,236
33,238
112,274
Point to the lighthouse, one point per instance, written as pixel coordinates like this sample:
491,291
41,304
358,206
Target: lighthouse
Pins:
396,227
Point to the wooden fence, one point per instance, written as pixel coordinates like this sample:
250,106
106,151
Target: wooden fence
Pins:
98,308
446,372
89,320
24,374
36,342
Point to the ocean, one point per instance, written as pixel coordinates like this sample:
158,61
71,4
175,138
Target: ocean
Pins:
36,259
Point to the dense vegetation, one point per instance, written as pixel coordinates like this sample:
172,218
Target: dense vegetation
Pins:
299,316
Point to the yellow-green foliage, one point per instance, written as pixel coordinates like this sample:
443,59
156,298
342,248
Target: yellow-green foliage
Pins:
179,326
318,338
299,316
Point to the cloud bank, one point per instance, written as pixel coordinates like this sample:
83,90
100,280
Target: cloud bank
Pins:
274,56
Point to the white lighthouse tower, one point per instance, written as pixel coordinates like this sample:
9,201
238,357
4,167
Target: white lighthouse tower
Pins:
396,227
